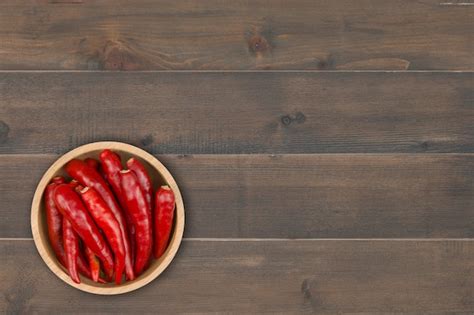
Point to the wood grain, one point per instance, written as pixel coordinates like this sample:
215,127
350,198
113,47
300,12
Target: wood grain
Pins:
293,196
323,277
238,112
212,34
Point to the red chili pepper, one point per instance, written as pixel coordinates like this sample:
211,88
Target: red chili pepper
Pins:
58,180
143,178
105,219
55,224
93,263
55,231
92,163
145,183
71,247
164,213
136,205
87,176
71,207
111,165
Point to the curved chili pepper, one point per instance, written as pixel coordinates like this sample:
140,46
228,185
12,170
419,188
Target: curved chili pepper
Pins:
111,165
55,231
143,178
55,224
145,182
71,247
105,219
71,207
87,176
93,263
58,180
92,163
164,213
136,205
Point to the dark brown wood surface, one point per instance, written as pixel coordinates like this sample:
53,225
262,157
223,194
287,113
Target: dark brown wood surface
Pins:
323,277
211,34
324,149
239,112
293,196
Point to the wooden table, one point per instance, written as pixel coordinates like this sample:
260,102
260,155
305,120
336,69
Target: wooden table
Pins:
324,148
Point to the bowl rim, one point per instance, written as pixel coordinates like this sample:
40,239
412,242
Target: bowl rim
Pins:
176,237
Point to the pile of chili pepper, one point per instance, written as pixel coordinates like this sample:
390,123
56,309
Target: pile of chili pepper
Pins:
107,222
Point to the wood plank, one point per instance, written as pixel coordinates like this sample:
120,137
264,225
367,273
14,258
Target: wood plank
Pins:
288,277
212,34
238,112
293,196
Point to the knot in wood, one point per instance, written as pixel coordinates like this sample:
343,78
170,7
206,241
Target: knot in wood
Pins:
118,56
286,120
258,45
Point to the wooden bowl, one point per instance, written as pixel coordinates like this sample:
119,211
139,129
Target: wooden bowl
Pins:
159,175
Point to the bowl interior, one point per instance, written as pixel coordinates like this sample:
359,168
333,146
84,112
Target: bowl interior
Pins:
158,178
